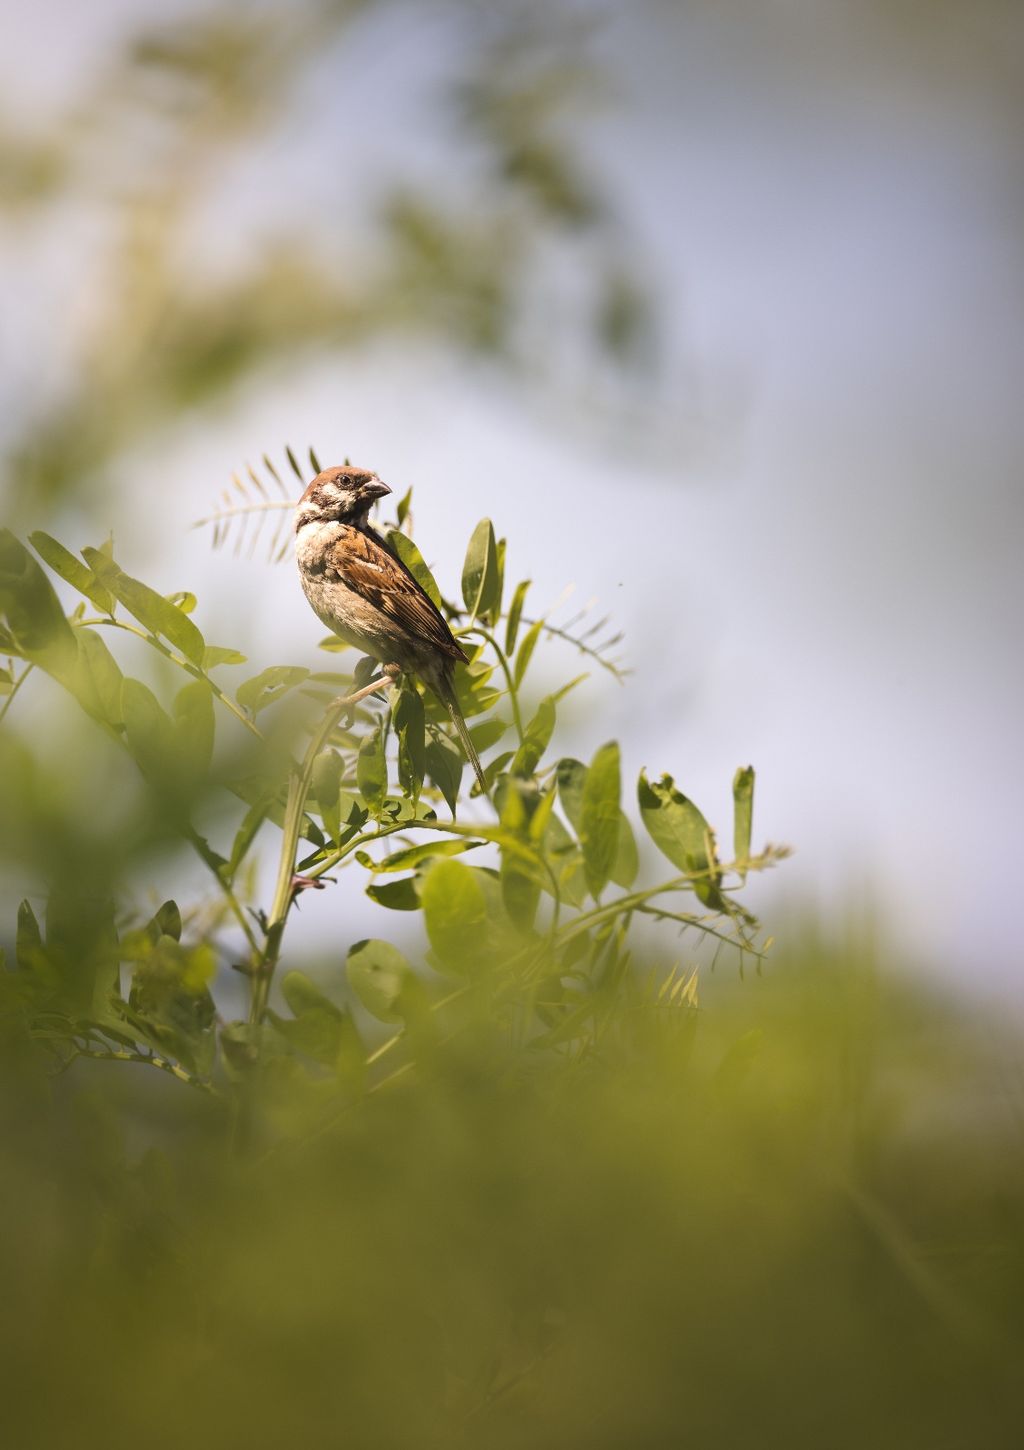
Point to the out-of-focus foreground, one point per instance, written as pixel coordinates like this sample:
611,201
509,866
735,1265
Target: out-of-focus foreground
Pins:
791,1218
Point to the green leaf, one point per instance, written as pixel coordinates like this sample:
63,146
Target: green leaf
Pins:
372,769
455,913
571,776
316,1028
379,975
97,681
6,681
743,813
627,862
72,570
536,738
150,733
293,462
33,613
403,506
681,833
184,600
194,728
246,833
521,877
411,856
494,610
444,767
167,921
151,609
409,727
526,650
599,817
488,733
170,1002
81,946
268,686
566,861
515,613
399,895
411,557
216,654
326,788
28,945
481,587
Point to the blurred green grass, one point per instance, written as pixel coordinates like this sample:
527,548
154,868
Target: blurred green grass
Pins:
792,1217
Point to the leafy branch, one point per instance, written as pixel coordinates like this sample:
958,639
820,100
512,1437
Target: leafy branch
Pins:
537,920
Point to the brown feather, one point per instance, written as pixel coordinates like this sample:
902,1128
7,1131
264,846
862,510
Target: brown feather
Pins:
364,564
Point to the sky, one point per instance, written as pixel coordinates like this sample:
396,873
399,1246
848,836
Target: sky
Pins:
817,568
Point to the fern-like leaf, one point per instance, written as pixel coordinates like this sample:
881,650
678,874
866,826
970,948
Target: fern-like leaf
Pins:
241,515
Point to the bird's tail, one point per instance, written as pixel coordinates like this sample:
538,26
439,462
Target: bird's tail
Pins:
446,690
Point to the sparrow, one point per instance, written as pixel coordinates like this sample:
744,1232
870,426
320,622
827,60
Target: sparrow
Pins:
362,591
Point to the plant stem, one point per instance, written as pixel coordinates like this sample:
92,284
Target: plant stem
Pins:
15,688
234,905
298,790
163,1064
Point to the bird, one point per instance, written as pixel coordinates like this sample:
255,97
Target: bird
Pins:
359,587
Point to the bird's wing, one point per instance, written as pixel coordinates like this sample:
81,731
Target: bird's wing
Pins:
367,566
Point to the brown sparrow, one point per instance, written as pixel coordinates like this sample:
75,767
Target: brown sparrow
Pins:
366,595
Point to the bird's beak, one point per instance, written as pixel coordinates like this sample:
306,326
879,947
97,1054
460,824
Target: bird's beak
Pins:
375,490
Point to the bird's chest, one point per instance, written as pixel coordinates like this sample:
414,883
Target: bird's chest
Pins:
342,609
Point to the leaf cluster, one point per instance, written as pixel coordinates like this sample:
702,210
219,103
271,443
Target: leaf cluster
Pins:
529,905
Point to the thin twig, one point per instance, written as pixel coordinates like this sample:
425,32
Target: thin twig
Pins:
16,686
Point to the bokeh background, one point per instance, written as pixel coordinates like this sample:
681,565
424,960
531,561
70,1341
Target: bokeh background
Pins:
715,309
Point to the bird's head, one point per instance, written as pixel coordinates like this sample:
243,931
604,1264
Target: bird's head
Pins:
340,495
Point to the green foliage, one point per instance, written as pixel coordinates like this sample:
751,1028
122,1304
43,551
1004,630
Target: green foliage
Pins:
481,580
324,786
524,1172
792,1217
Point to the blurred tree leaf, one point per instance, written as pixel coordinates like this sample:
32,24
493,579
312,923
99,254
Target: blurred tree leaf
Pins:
411,856
151,609
150,734
194,728
268,686
399,895
326,788
317,1026
455,913
31,610
77,574
97,681
379,974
